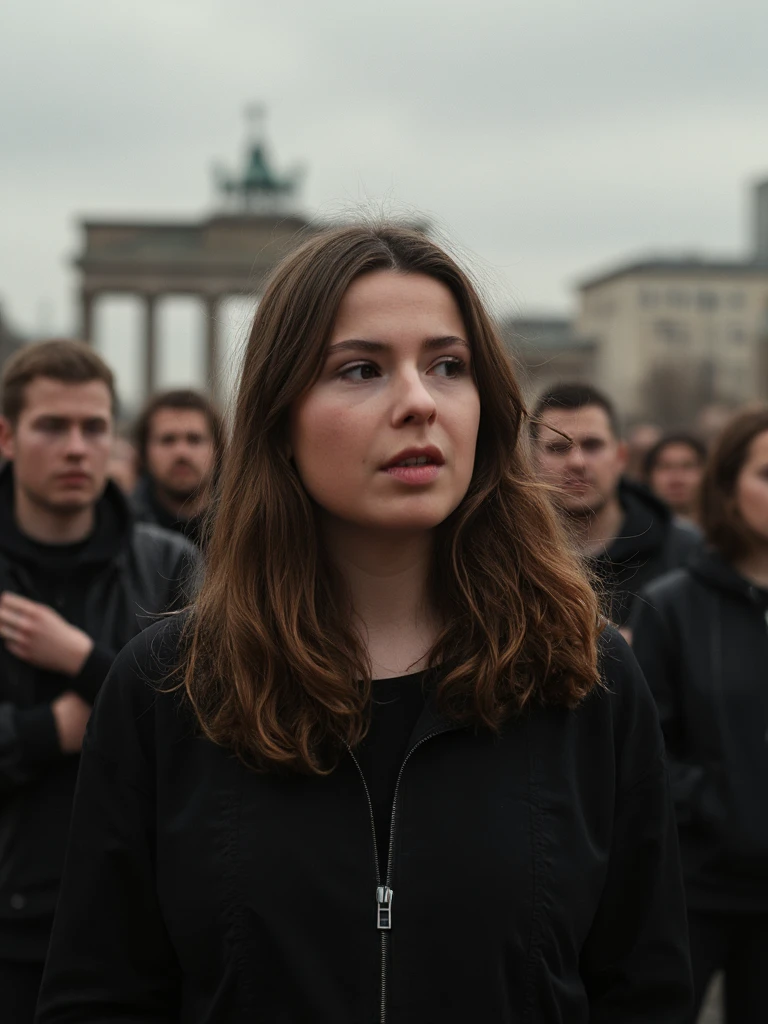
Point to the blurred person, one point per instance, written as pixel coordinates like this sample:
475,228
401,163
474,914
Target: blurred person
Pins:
122,467
673,471
640,439
711,420
700,636
629,536
179,440
77,580
389,783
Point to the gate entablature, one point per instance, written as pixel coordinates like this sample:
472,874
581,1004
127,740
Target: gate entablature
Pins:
228,253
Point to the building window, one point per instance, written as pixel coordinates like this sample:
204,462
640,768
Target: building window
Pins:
707,300
738,378
671,333
737,335
677,298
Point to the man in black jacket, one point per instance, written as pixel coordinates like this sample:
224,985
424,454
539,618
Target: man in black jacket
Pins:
179,439
78,579
629,535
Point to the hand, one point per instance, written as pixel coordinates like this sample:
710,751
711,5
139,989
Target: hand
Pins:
38,635
71,715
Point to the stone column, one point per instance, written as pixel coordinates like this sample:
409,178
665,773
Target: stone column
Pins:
150,343
212,354
87,300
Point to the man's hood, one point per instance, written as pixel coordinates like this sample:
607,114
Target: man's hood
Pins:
647,521
112,530
712,569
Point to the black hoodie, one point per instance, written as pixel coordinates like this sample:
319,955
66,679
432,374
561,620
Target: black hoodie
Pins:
701,637
651,542
147,509
110,586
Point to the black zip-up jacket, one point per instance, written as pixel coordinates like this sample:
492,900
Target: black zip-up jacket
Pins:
651,542
111,586
534,877
702,639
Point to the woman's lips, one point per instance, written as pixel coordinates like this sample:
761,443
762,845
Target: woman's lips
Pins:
423,474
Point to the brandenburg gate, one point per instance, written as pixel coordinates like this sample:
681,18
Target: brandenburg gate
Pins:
228,254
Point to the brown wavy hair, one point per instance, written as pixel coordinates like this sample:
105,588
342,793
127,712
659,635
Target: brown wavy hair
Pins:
721,520
271,662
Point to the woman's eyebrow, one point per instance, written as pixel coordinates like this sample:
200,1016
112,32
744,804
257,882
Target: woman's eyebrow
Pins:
366,345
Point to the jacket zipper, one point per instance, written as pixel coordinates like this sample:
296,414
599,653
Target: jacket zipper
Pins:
384,893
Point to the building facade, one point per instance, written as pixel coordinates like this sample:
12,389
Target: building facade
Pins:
9,339
676,334
546,350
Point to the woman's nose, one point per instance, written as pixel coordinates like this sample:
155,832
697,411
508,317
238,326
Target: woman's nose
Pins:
414,402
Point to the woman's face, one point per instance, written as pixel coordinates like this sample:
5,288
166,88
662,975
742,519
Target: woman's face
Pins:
676,476
752,489
385,438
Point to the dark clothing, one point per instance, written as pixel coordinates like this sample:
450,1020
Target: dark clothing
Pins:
535,874
651,542
738,945
395,709
147,509
110,586
19,986
701,637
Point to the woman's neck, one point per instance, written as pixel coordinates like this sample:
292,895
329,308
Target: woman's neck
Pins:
387,576
754,565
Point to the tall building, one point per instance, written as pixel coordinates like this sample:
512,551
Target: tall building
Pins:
9,339
673,334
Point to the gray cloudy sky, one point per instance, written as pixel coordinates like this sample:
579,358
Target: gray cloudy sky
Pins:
546,138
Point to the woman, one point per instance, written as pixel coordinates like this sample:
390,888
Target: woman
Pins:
700,635
389,784
673,470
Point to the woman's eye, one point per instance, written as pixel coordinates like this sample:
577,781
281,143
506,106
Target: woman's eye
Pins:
450,367
361,371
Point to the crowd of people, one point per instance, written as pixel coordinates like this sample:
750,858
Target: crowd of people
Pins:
391,635
681,556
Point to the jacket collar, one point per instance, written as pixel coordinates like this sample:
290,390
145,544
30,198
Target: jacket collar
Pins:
709,567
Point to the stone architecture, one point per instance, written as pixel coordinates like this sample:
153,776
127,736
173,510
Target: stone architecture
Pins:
229,253
9,339
675,334
547,350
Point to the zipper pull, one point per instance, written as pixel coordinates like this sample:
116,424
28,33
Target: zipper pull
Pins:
384,908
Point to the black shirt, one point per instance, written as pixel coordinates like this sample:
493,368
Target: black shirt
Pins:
395,709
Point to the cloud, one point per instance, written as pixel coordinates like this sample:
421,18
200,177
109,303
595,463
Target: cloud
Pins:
546,137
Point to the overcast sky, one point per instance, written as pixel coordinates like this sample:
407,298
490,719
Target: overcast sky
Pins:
547,139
